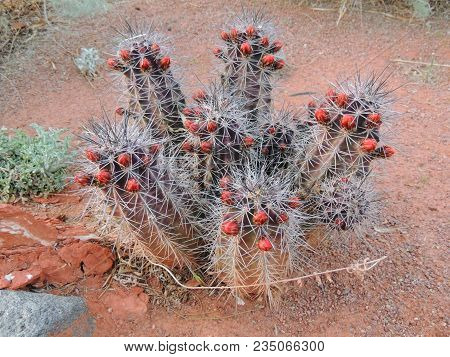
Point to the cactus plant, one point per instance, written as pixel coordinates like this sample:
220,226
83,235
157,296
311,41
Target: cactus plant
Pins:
227,183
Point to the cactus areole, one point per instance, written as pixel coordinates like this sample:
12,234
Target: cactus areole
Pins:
223,182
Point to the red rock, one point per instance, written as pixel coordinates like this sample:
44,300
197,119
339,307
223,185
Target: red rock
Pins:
125,304
56,271
22,278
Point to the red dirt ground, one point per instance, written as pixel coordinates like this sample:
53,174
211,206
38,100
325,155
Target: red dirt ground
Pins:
406,295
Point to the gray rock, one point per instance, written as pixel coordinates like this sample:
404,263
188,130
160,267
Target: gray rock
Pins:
37,314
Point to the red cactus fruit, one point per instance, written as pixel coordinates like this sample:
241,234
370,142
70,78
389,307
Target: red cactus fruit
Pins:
340,223
265,150
211,126
225,36
267,60
124,159
264,41
154,148
294,202
92,155
225,181
311,104
103,176
331,94
387,151
348,121
264,244
282,146
120,111
187,112
322,116
260,218
283,217
187,146
368,145
144,64
277,45
230,227
375,118
132,185
112,63
248,141
344,179
187,123
246,48
341,100
217,52
155,48
279,64
194,127
124,54
143,49
82,179
164,63
197,111
227,197
234,34
206,146
199,95
272,130
250,31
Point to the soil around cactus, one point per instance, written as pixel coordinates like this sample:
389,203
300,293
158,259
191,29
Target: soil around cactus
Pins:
405,295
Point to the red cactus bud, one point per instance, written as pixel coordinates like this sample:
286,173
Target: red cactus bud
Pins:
248,141
82,180
267,60
155,48
143,49
322,116
103,176
227,197
199,95
250,31
272,130
260,218
264,244
375,118
124,159
234,34
265,150
187,146
264,41
164,63
217,52
294,202
283,217
211,126
282,145
311,104
197,111
112,63
92,155
194,127
206,146
387,151
120,111
368,145
277,45
230,227
340,223
224,181
124,54
144,64
348,121
246,48
344,179
331,94
224,35
187,124
132,185
187,112
342,100
154,148
279,64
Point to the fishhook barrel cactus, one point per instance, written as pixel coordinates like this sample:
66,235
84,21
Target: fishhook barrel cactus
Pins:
226,183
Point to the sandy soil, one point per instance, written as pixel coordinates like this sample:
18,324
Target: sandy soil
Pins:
407,294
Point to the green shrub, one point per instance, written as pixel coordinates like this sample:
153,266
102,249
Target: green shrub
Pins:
32,165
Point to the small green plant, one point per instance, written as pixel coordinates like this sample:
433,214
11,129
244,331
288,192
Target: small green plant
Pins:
88,62
32,165
79,8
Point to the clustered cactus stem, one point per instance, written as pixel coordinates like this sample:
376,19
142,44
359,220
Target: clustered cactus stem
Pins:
226,183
